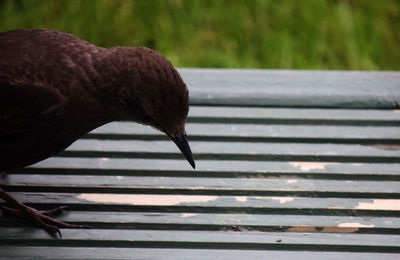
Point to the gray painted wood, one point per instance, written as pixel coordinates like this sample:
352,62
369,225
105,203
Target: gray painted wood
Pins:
390,188
212,203
194,237
228,167
218,149
245,222
265,130
346,89
299,115
290,165
20,252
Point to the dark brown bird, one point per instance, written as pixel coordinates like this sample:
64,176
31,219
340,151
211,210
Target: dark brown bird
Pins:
55,87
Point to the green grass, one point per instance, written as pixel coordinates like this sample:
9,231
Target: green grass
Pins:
288,34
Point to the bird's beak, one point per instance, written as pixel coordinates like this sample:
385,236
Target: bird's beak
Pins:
181,141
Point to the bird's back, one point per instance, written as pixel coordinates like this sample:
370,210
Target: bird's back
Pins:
44,81
45,57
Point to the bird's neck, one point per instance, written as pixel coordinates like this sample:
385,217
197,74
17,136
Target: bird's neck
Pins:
116,71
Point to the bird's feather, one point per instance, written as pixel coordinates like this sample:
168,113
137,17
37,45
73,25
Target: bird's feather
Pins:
22,107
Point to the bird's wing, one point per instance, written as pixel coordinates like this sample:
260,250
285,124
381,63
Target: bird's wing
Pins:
22,107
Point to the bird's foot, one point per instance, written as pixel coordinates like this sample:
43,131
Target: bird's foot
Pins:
41,218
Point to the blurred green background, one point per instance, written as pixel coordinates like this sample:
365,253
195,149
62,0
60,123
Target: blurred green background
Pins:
286,34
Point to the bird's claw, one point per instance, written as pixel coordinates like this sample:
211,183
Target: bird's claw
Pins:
42,218
55,211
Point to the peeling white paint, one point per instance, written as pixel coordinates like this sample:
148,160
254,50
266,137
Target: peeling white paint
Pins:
291,181
283,199
357,164
198,188
354,224
241,198
308,166
119,177
105,159
186,215
142,199
380,204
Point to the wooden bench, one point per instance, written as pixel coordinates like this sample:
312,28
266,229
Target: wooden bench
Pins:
290,164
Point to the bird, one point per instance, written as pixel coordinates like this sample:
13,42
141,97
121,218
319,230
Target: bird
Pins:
56,87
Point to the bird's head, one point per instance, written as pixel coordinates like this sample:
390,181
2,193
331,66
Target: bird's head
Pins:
157,96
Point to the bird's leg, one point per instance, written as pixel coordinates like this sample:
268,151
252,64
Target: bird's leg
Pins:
41,218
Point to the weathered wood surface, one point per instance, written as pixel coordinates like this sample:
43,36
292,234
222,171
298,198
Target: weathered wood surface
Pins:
71,252
271,182
350,89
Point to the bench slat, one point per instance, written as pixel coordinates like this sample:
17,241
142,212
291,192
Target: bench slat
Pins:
346,89
264,131
52,165
263,240
16,252
211,202
296,115
217,149
244,222
388,188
